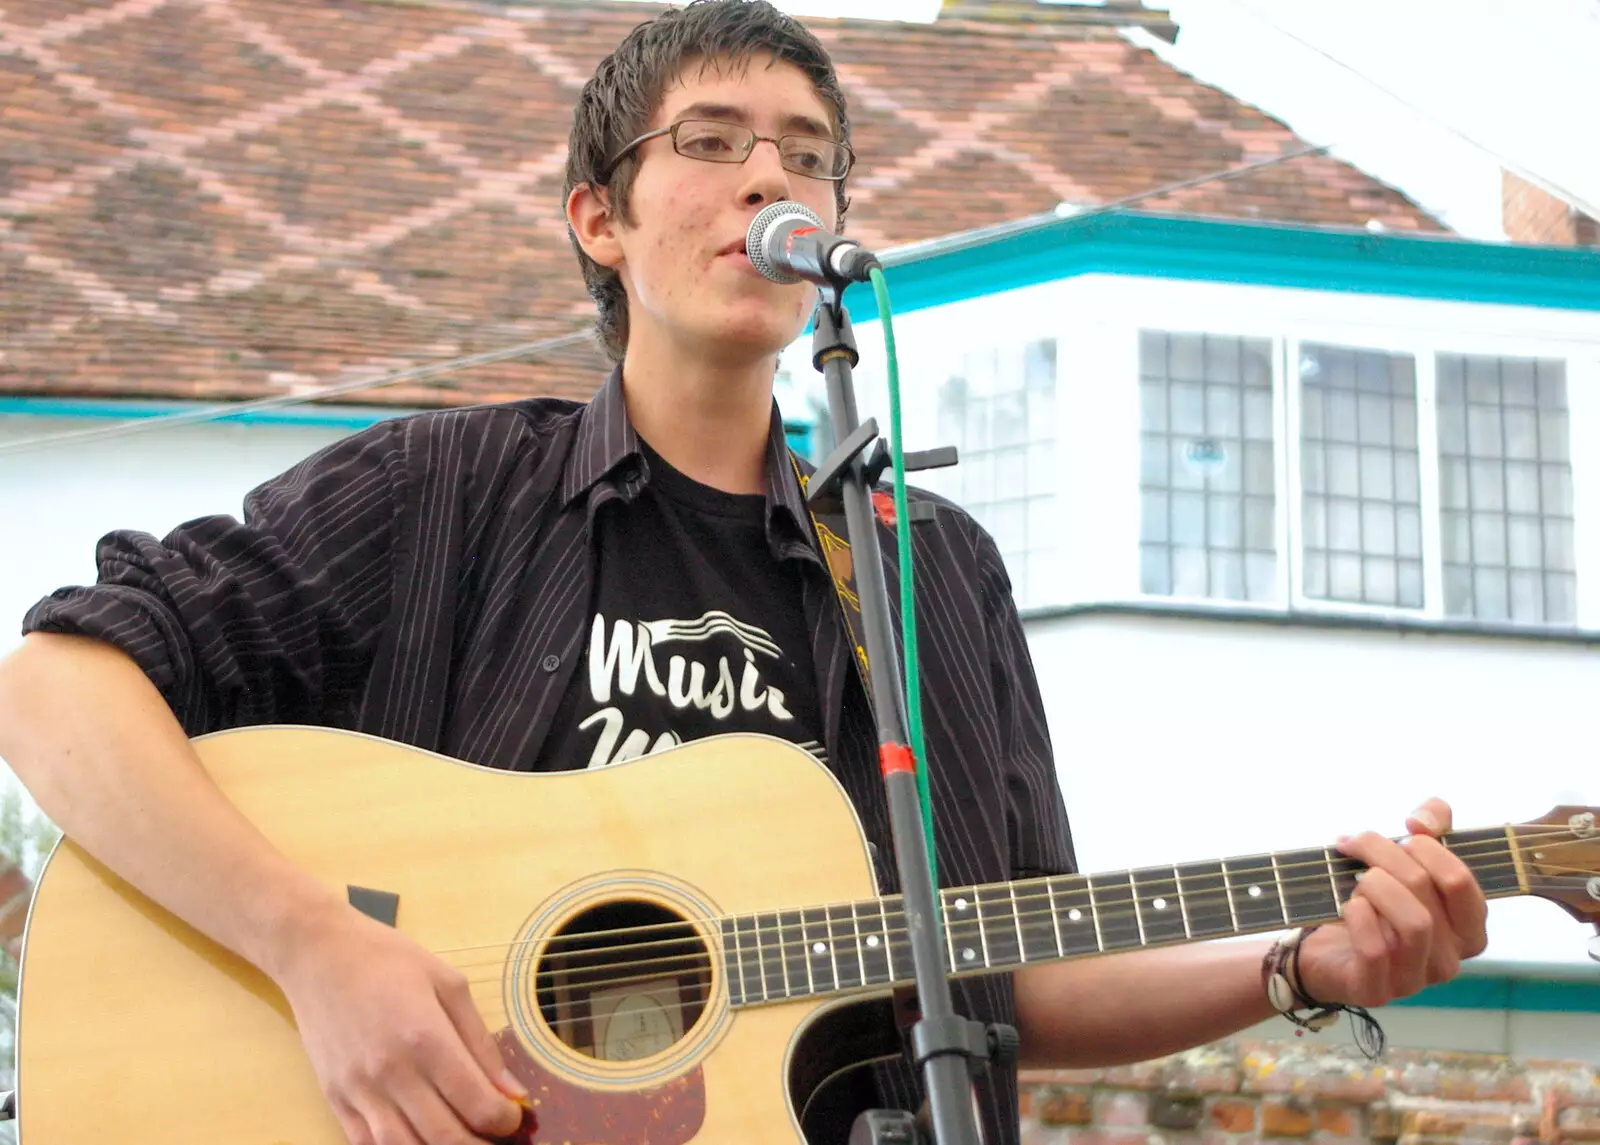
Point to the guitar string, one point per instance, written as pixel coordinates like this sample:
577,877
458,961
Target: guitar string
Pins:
700,993
1339,865
1030,890
773,959
848,933
766,979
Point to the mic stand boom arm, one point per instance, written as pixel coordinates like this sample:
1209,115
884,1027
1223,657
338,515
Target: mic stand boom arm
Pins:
948,1050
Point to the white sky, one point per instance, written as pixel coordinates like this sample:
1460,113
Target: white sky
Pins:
1423,94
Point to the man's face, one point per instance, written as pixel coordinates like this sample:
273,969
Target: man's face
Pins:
691,289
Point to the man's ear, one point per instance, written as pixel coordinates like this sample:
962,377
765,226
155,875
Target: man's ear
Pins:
589,215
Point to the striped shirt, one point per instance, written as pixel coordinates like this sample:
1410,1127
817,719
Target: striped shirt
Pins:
429,580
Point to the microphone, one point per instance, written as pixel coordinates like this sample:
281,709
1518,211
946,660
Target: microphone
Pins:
786,243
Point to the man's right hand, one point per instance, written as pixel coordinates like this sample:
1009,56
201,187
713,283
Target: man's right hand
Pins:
402,1053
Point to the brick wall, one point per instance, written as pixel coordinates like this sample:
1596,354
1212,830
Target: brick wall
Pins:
1532,215
1261,1093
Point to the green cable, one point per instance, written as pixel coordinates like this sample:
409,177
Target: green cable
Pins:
908,611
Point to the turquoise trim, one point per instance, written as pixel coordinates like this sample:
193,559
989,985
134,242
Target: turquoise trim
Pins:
309,416
1259,254
1527,994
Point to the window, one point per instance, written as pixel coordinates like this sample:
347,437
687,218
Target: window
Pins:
1492,539
1505,490
1360,497
1208,487
998,410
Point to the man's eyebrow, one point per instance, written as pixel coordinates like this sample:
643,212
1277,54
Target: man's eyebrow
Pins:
728,113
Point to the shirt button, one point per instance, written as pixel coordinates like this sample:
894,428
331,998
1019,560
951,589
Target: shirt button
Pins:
551,662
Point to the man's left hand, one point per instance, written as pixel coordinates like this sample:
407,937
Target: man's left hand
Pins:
1416,913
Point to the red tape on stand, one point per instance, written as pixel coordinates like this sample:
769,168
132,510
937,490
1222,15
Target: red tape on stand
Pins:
893,757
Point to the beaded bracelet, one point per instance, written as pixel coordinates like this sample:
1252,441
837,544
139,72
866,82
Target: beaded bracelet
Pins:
1280,976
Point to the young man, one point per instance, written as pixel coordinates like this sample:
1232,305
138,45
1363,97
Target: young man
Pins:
478,582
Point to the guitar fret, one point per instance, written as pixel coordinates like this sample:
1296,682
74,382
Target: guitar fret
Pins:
1055,917
1277,882
752,980
1346,874
1307,887
1183,906
899,939
770,951
967,931
997,916
1489,855
1227,885
796,963
1016,917
1156,895
819,951
1138,911
861,950
876,969
1078,931
1115,915
949,932
732,963
840,981
780,956
1035,909
1248,881
1207,904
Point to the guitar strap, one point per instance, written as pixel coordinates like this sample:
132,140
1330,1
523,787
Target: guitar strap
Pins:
829,527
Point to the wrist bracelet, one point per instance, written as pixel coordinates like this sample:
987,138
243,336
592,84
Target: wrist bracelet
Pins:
1280,978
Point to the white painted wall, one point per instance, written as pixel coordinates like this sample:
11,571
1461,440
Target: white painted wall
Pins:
1181,739
57,501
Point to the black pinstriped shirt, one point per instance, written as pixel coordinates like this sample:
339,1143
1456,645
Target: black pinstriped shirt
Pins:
429,580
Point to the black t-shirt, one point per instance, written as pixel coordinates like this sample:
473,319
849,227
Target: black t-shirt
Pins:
696,628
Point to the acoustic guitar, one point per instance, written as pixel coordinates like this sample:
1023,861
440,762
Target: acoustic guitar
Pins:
685,948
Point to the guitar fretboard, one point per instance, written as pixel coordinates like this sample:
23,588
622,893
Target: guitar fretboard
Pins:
778,955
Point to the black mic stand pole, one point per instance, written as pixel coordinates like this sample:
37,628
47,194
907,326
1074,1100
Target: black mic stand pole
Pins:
948,1050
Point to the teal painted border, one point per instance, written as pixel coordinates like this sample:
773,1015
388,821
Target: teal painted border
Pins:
352,418
322,417
1525,994
1260,254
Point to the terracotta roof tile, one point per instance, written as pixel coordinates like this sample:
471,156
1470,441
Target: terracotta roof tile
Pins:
234,198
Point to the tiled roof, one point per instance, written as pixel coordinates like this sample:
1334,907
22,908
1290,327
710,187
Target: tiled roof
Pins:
235,198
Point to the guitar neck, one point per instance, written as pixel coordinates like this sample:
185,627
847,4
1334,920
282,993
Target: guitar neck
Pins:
775,956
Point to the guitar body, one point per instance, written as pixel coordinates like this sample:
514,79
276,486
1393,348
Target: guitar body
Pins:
136,1028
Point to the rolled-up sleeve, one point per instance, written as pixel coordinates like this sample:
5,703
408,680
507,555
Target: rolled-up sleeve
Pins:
270,619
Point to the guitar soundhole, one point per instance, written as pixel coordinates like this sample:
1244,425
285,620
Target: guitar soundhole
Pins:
623,981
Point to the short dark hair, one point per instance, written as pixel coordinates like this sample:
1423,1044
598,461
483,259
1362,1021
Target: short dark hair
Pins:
628,85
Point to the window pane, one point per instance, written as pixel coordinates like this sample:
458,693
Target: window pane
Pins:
1505,487
1366,443
997,406
1261,577
1206,409
1155,571
1260,524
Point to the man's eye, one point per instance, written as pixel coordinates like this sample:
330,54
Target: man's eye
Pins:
703,143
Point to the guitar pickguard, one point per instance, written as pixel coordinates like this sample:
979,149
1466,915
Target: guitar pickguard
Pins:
564,1112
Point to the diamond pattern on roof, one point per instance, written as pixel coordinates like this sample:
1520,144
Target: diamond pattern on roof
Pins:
203,198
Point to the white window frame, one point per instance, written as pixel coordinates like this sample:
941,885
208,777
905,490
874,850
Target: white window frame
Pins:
1113,310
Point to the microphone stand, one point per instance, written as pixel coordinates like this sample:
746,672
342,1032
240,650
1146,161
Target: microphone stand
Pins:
948,1050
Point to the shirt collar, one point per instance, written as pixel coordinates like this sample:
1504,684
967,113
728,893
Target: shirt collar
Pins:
606,440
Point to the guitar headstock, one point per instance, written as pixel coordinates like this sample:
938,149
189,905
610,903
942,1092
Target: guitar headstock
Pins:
1559,857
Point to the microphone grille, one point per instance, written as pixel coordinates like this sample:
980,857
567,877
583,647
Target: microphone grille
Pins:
764,227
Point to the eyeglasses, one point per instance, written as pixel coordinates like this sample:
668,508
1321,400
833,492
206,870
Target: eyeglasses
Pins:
716,142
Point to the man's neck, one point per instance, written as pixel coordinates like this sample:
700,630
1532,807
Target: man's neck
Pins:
710,425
